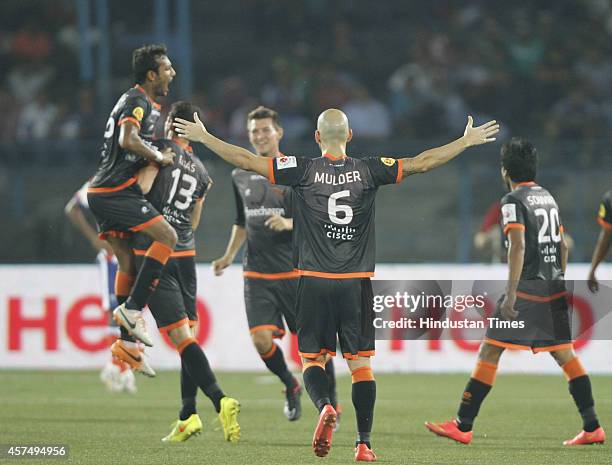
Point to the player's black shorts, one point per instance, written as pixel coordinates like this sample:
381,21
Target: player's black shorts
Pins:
174,301
122,212
330,307
546,325
268,301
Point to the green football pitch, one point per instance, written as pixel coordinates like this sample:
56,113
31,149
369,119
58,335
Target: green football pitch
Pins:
523,421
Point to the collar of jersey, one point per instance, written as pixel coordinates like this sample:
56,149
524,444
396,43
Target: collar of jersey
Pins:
527,183
332,158
153,102
182,144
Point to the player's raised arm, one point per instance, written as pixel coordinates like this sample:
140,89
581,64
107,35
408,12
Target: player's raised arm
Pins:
233,154
433,158
130,140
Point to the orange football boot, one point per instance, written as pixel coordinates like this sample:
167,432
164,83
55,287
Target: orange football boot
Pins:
583,438
449,429
322,439
133,357
364,454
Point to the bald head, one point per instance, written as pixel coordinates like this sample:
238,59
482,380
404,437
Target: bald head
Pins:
333,127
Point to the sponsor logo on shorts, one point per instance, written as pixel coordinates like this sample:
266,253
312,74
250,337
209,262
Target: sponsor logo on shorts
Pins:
145,209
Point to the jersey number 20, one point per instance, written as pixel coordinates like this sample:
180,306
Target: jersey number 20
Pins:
555,230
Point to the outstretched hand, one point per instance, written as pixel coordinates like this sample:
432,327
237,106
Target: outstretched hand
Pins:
480,134
189,130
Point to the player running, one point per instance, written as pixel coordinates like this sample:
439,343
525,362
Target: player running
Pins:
178,192
264,222
334,247
603,241
116,374
535,291
116,200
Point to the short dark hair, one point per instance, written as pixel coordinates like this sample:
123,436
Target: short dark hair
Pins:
145,59
520,159
184,110
262,112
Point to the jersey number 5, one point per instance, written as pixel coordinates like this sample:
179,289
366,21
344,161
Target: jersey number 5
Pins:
555,229
184,197
333,208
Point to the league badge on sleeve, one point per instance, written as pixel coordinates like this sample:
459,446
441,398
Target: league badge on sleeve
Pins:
602,211
138,113
388,161
285,162
509,213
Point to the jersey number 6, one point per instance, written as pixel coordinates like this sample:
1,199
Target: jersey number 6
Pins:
333,208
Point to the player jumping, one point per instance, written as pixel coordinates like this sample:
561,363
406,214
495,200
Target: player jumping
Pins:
334,246
117,201
535,291
178,192
264,222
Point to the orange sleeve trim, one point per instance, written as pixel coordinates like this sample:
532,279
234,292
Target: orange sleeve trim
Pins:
537,298
321,274
160,252
361,353
170,327
514,226
270,276
362,374
112,233
314,363
129,119
271,171
181,253
317,354
146,224
505,345
106,190
268,355
276,331
400,171
485,372
537,350
573,369
181,347
604,224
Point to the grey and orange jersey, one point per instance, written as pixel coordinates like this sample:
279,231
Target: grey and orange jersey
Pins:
174,193
118,167
532,208
333,211
604,215
267,252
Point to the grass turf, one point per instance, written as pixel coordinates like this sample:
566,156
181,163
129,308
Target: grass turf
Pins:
523,421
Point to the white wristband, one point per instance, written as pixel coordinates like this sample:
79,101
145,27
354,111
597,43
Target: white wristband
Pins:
158,156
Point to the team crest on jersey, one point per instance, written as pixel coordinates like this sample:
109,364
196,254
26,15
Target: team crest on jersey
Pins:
388,161
285,162
509,213
138,113
602,211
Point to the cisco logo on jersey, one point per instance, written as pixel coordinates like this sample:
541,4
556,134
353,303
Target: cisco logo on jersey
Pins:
344,233
262,211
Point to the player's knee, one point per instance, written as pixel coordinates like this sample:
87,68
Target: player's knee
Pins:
562,356
490,353
262,340
179,335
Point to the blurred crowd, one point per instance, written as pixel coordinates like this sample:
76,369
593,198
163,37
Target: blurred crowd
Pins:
411,69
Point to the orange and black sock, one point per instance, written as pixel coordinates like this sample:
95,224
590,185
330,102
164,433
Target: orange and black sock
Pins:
316,384
189,391
155,259
330,371
581,391
123,287
364,398
474,394
275,361
198,368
